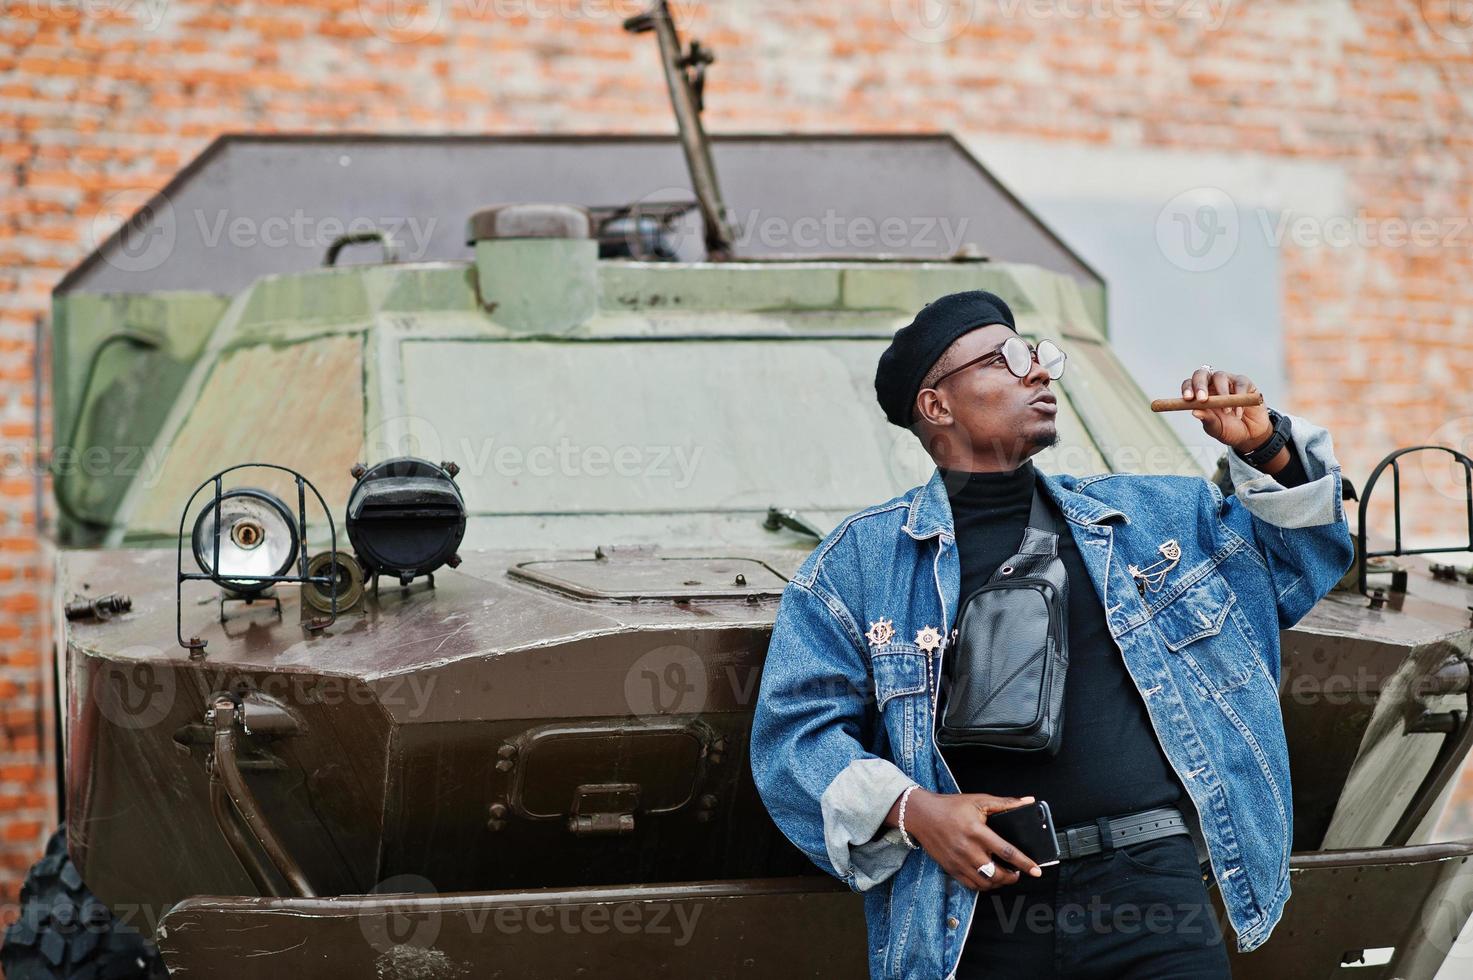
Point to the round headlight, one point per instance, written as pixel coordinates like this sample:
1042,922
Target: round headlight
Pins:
406,517
257,536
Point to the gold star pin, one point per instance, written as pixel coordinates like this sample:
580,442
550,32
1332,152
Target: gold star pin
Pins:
880,632
928,638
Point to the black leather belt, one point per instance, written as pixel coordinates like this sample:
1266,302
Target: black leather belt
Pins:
1082,840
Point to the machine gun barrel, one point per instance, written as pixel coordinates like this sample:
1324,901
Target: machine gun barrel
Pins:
685,74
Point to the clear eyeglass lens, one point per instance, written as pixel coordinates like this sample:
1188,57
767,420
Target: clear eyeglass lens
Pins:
1015,351
254,540
1051,358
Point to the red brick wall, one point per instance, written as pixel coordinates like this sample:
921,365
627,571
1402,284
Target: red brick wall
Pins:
99,97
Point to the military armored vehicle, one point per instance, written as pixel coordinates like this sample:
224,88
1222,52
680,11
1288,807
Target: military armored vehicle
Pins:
411,611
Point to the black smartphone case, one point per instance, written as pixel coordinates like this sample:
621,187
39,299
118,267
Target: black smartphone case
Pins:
1029,828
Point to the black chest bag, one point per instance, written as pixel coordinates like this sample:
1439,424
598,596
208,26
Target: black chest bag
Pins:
1003,685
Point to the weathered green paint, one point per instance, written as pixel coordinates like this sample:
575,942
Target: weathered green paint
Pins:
544,285
129,394
772,374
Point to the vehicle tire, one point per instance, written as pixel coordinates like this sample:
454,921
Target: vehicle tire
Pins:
64,932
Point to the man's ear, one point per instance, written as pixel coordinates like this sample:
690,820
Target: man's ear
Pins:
931,407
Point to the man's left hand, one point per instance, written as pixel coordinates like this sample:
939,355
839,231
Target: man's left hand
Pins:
1241,428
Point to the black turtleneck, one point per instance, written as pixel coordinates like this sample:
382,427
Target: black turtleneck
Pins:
1109,761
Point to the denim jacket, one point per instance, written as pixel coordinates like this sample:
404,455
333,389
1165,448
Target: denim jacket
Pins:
843,723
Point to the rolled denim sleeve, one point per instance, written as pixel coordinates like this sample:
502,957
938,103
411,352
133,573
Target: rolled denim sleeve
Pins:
824,788
1300,531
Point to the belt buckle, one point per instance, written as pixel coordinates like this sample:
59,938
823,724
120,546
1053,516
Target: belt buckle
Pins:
1071,837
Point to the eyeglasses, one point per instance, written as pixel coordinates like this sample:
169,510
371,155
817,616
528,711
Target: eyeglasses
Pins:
1016,353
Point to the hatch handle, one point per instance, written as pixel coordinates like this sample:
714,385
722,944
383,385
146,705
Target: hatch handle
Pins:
388,245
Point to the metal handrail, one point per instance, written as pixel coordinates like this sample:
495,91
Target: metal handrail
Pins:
223,714
1365,502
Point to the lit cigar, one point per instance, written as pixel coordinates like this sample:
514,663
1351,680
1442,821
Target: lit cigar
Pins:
1211,401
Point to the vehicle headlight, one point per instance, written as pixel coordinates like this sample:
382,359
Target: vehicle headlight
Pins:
406,517
256,535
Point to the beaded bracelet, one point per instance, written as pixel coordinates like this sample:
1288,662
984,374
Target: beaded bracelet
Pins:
900,817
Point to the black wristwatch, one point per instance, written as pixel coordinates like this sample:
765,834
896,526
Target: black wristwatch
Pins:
1283,430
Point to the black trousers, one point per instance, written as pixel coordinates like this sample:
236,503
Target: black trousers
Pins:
1139,911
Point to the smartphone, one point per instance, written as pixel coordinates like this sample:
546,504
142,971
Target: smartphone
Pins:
1029,828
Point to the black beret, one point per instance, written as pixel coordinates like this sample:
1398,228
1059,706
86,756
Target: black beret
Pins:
918,344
